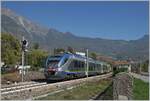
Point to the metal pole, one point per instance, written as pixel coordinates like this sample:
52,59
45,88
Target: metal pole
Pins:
22,61
140,67
87,63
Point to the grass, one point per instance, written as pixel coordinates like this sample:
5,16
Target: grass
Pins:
140,90
108,94
83,92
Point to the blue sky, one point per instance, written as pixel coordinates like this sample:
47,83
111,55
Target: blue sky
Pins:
111,20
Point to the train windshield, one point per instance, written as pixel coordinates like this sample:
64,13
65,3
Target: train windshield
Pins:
53,61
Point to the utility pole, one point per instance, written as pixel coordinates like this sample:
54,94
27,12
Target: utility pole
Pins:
87,63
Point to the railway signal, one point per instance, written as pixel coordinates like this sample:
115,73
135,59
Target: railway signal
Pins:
24,49
24,44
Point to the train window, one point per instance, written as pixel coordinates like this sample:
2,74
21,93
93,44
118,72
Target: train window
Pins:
65,60
75,63
93,67
53,63
82,65
90,66
72,65
78,64
97,65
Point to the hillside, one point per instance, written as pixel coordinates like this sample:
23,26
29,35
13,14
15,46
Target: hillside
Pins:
49,38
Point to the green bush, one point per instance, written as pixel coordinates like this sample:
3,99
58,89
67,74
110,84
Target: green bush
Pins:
119,70
10,49
145,66
36,59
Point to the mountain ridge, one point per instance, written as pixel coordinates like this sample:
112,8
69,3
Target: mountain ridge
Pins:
50,38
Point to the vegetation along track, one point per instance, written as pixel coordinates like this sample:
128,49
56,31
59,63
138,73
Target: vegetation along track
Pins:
36,89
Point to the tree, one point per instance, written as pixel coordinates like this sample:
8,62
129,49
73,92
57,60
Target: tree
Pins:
70,49
10,49
93,55
36,46
145,66
36,58
58,51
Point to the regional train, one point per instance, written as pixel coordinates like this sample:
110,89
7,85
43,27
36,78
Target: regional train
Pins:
67,66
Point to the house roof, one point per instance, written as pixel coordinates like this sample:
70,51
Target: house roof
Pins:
112,61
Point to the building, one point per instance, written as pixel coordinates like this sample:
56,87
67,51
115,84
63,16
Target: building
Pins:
116,64
122,64
24,69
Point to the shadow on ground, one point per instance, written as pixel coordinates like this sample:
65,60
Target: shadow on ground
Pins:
106,95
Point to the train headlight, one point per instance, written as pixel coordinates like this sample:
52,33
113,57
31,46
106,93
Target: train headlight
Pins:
59,69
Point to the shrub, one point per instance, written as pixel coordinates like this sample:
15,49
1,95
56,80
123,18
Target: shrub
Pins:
119,70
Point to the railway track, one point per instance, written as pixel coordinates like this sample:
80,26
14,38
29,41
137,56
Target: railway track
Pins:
14,88
38,89
16,84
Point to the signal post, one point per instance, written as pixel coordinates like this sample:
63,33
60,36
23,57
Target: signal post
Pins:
24,44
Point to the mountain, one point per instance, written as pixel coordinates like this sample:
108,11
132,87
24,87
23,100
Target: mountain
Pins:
49,38
19,26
